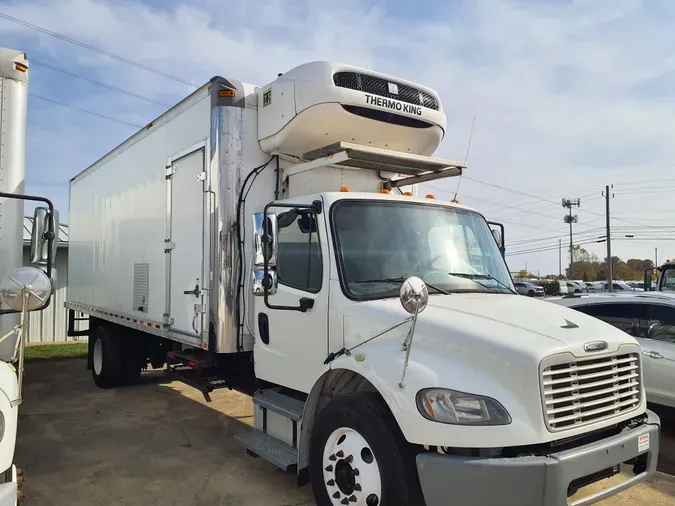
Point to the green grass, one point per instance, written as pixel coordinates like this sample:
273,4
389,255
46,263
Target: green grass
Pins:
41,352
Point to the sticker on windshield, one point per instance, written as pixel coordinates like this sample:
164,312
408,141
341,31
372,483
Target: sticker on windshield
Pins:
643,442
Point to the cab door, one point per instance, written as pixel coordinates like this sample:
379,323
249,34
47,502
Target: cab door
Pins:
291,323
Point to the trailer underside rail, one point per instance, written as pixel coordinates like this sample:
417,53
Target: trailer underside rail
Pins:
418,168
195,369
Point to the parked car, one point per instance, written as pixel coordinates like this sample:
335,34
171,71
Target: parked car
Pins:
650,318
529,289
576,287
618,286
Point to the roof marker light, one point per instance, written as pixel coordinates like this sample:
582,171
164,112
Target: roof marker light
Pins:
345,189
385,191
408,194
430,196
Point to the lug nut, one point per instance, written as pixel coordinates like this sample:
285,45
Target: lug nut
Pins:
356,472
352,498
329,469
349,459
357,487
340,454
345,501
336,495
330,483
332,457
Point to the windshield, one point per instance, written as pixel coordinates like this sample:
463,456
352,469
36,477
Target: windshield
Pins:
379,243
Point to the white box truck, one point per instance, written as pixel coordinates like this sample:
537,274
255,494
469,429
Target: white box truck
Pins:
22,289
269,239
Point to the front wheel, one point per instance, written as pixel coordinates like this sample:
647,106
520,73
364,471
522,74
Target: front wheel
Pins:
359,456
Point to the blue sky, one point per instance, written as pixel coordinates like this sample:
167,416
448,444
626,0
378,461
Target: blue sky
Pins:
568,95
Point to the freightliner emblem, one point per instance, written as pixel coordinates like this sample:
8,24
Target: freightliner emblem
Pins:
596,346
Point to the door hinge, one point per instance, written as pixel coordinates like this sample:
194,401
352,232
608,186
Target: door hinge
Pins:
200,308
168,245
170,171
201,176
168,321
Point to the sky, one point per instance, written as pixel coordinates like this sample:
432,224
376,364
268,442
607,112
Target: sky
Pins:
568,95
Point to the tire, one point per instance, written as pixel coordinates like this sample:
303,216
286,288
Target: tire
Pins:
107,364
530,293
360,427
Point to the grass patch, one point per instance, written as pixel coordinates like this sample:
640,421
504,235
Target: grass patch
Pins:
41,352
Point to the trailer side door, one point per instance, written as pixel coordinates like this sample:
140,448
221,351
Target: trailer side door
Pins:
186,244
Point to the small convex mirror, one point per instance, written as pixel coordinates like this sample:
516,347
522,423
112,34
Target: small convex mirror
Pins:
38,289
414,295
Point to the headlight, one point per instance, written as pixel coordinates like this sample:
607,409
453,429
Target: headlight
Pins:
458,408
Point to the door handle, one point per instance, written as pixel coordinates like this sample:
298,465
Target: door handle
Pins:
194,292
653,354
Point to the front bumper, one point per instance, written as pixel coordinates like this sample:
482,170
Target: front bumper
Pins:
538,480
9,489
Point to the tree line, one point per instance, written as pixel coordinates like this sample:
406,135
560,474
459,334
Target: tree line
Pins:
588,267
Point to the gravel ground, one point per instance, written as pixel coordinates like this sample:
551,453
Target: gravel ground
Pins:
161,443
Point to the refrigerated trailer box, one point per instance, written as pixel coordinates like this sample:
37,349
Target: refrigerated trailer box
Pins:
271,239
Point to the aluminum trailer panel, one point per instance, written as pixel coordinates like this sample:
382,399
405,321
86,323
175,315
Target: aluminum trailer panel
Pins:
140,229
13,120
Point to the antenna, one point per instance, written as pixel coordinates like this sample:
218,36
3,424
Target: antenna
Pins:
466,157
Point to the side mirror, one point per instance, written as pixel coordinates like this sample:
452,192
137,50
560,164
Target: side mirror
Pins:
498,235
39,246
652,330
414,295
265,233
648,280
261,284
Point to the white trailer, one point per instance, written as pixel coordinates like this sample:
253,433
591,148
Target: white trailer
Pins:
22,289
259,237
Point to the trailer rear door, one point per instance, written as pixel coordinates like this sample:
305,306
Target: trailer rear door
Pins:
187,231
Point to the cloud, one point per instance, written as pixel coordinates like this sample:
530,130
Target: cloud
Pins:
568,96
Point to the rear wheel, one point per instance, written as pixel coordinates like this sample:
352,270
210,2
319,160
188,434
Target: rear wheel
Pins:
107,366
530,293
359,456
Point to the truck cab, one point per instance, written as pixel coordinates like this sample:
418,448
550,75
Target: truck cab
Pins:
661,278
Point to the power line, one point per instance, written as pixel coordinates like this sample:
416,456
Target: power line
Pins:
86,111
96,50
99,83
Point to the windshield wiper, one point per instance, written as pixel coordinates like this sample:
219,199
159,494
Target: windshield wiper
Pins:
400,280
474,277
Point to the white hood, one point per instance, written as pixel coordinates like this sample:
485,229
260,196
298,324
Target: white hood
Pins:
485,344
521,324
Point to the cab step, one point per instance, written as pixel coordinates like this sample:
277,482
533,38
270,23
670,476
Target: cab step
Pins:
277,417
277,402
259,444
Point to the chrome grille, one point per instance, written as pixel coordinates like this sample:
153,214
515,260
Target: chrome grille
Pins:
381,87
585,391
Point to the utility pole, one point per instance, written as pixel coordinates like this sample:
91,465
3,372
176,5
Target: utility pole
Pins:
656,256
569,204
609,239
559,257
